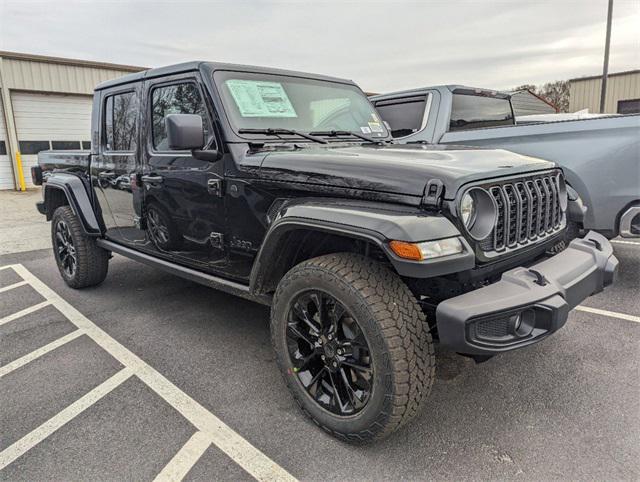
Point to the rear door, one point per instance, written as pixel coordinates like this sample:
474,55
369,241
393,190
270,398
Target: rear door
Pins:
183,196
115,165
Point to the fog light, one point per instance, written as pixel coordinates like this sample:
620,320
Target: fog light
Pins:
428,249
523,323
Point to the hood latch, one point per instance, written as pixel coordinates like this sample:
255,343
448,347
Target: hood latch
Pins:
433,192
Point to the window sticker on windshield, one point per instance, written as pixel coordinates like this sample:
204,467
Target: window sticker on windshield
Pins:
257,98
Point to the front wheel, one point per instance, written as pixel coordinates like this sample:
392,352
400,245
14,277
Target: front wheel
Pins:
353,345
81,261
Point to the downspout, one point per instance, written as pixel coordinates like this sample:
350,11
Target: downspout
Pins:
10,127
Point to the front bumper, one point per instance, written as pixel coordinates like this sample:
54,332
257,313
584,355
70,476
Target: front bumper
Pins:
528,303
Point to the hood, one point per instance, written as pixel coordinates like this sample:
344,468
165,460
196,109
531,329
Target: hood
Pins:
397,169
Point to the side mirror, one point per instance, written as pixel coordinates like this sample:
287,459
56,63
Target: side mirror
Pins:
184,132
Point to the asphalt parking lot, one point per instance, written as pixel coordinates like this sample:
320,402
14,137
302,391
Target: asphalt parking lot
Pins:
149,375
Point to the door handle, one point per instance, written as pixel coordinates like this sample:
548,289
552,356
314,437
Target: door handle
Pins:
152,179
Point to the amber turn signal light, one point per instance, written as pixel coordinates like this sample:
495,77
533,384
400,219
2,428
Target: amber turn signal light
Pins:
406,250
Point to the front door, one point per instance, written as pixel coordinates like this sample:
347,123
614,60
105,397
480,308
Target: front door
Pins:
114,167
183,196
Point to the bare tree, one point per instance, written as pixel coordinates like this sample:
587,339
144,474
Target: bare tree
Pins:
557,93
529,87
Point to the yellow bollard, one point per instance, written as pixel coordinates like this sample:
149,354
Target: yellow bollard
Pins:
23,186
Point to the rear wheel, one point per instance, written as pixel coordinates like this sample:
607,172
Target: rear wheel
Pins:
353,345
80,260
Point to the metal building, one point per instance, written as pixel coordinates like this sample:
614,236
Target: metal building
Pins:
623,93
45,103
526,102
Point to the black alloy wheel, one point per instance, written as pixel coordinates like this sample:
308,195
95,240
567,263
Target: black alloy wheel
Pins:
65,250
352,344
80,260
329,353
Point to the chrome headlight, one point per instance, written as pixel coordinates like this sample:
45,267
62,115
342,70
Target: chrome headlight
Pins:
478,212
468,209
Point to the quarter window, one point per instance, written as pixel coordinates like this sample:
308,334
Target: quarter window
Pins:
174,99
121,113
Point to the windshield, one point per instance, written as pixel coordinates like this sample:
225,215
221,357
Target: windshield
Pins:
267,101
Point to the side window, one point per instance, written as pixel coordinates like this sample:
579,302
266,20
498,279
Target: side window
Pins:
403,115
174,99
120,122
475,112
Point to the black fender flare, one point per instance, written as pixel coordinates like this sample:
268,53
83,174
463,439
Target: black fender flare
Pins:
78,198
376,223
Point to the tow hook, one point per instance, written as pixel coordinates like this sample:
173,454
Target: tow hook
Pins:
540,279
595,243
477,358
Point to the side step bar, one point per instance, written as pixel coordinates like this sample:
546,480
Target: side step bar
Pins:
205,279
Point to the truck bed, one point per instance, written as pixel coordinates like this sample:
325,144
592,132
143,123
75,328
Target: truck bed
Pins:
64,160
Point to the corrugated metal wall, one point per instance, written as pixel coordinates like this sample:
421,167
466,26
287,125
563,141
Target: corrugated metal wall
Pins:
41,76
6,172
585,93
525,103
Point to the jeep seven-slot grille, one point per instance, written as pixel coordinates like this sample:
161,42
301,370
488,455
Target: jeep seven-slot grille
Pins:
528,210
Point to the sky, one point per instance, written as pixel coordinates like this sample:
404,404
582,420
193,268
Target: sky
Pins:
383,46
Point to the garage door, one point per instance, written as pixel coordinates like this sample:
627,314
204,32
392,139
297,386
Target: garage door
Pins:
48,121
6,172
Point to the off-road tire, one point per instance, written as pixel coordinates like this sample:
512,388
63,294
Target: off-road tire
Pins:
396,330
92,261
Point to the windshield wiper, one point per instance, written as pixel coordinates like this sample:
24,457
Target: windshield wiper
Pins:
346,133
279,131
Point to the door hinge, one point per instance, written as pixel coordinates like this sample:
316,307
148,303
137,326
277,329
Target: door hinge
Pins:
216,240
214,186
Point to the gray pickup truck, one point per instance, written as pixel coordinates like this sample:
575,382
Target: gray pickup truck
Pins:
599,156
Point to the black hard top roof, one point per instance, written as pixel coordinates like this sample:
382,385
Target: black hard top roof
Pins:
196,65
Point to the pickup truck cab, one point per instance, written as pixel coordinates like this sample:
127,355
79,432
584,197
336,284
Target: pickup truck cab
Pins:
287,189
600,156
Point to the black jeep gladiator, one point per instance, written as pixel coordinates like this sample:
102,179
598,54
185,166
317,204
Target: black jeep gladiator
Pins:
287,189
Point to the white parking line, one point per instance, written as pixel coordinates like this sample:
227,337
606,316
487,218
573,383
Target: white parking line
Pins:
180,465
36,436
24,312
14,285
237,448
612,314
4,370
